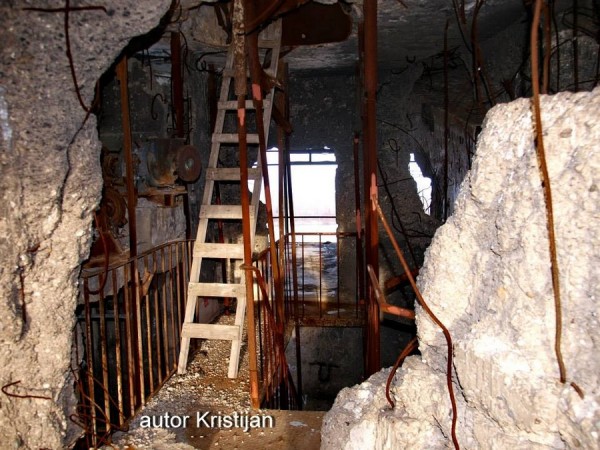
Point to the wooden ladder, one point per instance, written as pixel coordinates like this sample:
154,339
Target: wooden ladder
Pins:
212,211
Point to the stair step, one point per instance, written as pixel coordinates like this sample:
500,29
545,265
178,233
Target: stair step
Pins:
216,250
221,212
230,174
233,104
232,138
211,331
216,290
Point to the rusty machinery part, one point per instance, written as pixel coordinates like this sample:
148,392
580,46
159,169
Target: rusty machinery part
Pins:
111,168
113,208
161,171
169,159
188,163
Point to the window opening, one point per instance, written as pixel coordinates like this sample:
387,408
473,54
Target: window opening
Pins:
423,183
313,187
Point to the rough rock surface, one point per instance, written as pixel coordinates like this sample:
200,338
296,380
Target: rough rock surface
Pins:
50,184
487,277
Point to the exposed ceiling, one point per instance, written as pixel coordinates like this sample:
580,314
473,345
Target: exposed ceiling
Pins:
407,30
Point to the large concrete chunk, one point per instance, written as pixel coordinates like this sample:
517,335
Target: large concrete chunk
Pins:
487,277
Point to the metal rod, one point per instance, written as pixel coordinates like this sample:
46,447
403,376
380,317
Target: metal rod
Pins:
177,83
146,298
172,308
165,319
370,177
129,337
320,276
138,323
383,304
127,145
105,381
240,92
359,250
118,346
431,314
90,360
154,286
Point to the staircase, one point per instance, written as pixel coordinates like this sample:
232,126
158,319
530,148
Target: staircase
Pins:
212,212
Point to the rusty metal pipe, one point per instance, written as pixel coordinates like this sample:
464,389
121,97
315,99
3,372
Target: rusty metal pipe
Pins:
177,83
118,347
240,92
373,358
360,298
127,149
382,301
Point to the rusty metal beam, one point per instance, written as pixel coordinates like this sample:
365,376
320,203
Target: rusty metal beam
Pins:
257,76
359,241
240,92
382,300
178,114
127,145
177,83
373,359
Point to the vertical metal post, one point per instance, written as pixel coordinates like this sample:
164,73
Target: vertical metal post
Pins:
240,92
134,299
177,83
117,315
359,253
149,334
373,362
90,361
127,145
178,114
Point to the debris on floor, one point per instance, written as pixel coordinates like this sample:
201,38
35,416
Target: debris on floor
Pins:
204,409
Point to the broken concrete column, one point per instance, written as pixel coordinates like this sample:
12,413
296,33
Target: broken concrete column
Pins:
487,277
50,184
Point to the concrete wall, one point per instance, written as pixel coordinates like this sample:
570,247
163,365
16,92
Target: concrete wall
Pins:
50,185
332,359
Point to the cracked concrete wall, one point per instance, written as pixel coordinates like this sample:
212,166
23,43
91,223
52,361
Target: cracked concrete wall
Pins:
50,183
487,277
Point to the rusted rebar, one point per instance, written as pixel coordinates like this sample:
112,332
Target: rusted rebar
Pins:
547,190
425,306
410,347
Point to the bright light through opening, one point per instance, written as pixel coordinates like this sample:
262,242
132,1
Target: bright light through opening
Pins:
423,183
313,187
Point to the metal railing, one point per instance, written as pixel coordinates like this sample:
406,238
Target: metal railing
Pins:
128,327
322,259
127,335
320,298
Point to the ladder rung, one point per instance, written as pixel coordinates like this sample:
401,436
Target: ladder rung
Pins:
216,290
267,43
215,250
230,174
232,138
221,212
233,104
210,331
